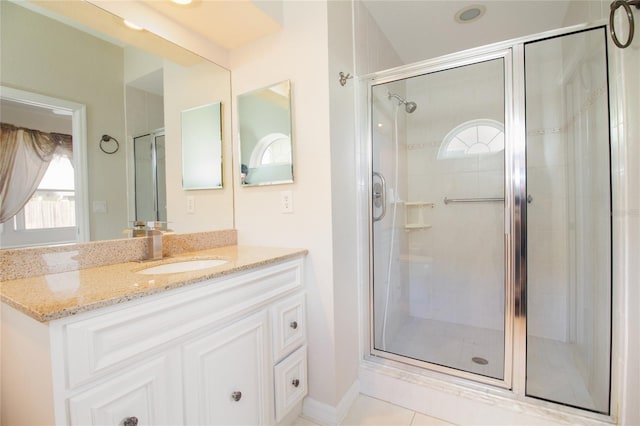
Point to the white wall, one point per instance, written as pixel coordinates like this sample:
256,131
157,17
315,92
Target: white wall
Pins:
298,53
310,51
373,52
344,193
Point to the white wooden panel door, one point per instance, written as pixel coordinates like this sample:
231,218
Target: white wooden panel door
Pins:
227,375
148,394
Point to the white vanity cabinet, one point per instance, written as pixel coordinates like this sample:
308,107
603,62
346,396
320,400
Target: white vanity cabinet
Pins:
227,351
227,375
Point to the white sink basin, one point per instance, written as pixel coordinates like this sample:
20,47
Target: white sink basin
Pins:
185,266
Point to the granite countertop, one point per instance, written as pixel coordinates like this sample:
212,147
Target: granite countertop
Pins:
58,295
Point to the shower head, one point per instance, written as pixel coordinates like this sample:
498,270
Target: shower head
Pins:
408,106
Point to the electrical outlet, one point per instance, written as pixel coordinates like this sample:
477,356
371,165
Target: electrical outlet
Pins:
191,205
99,206
286,202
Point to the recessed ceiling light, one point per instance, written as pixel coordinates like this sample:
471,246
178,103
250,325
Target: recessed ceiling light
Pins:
182,2
470,14
132,25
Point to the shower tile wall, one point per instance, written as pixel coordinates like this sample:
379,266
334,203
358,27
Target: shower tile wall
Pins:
548,225
439,288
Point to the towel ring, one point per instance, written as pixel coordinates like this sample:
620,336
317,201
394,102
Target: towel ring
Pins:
107,138
627,8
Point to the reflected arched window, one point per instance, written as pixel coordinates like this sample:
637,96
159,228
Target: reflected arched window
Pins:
475,137
273,149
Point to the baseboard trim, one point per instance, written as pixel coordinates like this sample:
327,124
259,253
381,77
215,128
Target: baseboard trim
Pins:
325,414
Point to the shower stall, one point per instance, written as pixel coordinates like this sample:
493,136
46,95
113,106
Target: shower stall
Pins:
490,217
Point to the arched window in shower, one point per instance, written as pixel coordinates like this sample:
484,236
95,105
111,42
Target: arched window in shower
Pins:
474,137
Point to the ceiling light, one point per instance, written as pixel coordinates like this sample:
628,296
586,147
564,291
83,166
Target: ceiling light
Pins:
182,2
132,25
470,14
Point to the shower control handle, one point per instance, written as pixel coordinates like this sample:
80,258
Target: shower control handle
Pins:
379,196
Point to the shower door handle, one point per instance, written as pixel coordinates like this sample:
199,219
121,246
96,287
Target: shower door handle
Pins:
379,196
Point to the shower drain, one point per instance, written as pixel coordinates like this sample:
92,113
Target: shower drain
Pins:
479,360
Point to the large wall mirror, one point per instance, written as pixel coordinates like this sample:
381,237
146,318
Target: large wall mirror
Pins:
133,87
264,118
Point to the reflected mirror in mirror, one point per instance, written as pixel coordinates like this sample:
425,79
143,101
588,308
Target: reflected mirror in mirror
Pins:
131,83
264,118
202,147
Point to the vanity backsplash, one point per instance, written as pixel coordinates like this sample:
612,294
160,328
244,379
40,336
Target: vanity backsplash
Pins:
35,261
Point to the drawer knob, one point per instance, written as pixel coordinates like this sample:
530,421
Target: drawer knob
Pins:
293,324
295,383
236,396
130,421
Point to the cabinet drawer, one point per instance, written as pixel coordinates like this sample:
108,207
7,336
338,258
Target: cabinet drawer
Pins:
290,377
104,340
289,326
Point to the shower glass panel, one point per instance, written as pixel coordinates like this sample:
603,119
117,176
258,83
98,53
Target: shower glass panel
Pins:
438,230
150,177
568,220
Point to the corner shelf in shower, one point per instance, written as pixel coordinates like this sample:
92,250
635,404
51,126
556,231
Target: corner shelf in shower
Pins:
414,215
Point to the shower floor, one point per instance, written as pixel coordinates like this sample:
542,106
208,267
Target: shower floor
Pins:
551,375
451,345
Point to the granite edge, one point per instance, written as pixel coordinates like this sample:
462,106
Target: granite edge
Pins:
67,312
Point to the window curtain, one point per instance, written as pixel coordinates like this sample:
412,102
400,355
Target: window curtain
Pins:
25,155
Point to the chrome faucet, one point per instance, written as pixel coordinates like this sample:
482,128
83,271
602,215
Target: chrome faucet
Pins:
155,240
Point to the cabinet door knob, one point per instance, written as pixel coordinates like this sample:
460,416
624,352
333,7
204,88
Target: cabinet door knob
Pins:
295,383
293,324
130,421
236,396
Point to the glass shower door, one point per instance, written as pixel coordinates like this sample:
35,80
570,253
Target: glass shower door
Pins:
438,220
568,220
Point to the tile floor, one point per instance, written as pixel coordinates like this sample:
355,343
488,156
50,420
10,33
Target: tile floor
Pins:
367,411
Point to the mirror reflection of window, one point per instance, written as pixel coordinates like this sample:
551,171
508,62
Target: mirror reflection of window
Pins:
39,204
265,135
273,149
53,203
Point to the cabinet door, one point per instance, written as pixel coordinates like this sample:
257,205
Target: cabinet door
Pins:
227,375
148,394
